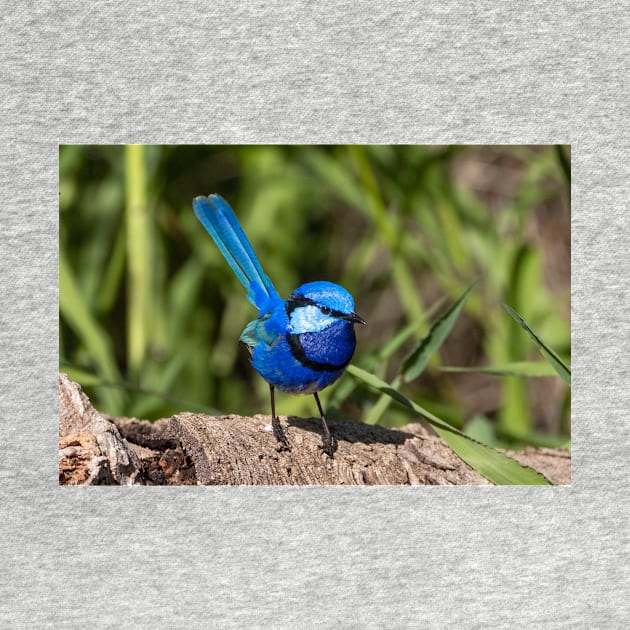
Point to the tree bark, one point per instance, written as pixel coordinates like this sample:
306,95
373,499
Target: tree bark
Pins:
192,449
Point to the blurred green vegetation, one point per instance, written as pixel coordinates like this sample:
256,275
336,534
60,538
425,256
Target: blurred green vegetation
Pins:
150,313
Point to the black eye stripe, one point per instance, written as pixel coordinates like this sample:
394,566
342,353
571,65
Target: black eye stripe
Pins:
295,301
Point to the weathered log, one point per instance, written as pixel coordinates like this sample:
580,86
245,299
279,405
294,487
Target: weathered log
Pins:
91,449
193,448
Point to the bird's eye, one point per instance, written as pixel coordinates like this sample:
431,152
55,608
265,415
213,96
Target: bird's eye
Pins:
325,310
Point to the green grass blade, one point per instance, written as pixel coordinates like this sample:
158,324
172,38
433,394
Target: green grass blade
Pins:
345,387
373,201
481,429
399,339
340,180
382,404
556,362
109,284
417,359
406,288
138,257
494,466
386,388
85,378
530,369
75,312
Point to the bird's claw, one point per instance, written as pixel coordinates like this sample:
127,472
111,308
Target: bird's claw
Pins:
281,436
329,445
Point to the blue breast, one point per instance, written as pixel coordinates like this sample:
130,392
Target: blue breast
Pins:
328,350
302,363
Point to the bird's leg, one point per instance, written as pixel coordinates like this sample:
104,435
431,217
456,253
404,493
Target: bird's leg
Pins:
278,431
329,443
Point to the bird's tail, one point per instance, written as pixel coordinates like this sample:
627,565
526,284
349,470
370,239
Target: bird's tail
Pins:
218,218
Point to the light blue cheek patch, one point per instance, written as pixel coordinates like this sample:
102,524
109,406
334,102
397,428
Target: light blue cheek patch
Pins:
309,319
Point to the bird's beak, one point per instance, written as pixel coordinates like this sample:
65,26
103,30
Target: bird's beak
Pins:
354,318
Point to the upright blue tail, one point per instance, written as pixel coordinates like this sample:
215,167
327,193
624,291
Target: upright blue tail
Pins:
218,218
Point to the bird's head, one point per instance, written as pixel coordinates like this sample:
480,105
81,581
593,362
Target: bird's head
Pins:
316,305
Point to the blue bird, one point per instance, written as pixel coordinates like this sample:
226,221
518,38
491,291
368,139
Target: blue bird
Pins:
299,345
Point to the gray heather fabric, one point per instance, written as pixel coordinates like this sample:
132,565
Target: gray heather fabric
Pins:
314,72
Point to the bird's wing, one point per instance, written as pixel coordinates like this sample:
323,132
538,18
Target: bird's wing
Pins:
256,333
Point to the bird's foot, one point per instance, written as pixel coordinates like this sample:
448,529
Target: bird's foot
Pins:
281,436
329,445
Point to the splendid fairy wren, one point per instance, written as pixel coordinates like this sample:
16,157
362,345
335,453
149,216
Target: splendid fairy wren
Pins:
299,345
